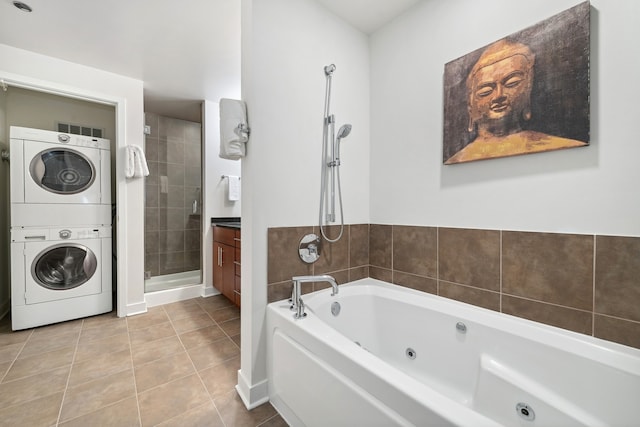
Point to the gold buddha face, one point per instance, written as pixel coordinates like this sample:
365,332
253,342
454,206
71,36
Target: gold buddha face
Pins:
499,89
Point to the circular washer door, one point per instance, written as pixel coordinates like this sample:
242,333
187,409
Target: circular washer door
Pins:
64,266
62,171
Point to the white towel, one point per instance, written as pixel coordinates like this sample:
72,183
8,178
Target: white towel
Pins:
136,162
233,138
234,188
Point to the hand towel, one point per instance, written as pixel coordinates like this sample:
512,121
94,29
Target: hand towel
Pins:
234,132
234,188
136,162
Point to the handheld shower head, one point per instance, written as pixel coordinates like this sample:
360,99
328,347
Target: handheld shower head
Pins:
329,69
343,132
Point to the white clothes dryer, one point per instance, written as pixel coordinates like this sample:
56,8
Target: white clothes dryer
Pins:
60,171
59,274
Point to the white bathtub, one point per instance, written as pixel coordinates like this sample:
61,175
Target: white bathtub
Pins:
355,369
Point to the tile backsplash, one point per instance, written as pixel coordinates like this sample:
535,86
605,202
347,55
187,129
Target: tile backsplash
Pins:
584,283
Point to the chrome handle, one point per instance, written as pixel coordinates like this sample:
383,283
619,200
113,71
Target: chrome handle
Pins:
219,256
194,207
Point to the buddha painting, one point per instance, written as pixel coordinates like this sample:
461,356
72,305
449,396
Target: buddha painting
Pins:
499,111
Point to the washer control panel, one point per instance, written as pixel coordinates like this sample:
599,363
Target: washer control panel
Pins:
32,234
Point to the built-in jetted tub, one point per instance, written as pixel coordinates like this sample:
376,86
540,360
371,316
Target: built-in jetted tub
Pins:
381,355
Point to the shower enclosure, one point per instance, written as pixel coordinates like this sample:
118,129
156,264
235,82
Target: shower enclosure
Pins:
173,203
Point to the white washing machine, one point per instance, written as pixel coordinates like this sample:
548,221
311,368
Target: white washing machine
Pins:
67,176
59,274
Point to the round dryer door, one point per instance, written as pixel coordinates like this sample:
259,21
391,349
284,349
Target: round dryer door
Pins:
62,171
64,266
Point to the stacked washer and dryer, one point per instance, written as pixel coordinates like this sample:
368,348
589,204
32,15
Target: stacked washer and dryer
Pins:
60,227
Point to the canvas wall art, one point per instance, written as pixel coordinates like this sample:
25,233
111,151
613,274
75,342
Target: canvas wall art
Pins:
525,93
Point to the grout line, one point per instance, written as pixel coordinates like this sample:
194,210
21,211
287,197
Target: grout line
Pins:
66,386
548,303
198,373
16,357
133,372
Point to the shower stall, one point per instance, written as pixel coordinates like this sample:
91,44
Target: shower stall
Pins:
173,203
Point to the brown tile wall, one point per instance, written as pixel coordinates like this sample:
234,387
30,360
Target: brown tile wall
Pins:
346,260
584,283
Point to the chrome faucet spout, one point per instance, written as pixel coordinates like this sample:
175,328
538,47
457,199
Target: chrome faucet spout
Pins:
297,304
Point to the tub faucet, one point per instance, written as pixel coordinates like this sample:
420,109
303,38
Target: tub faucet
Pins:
296,291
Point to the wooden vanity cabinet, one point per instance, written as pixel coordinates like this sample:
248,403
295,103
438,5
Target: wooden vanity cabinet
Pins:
226,262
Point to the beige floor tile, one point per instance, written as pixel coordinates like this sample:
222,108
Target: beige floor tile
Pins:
213,354
171,399
58,328
201,336
40,363
154,316
44,342
192,321
42,412
99,347
152,333
154,350
203,416
9,337
214,303
235,414
4,367
236,339
221,379
30,388
163,371
100,331
8,353
91,396
181,309
275,421
100,366
120,414
231,327
102,320
225,314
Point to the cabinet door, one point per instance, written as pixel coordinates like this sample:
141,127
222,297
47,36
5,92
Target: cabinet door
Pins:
217,266
228,271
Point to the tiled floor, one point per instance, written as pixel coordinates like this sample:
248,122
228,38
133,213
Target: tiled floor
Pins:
173,366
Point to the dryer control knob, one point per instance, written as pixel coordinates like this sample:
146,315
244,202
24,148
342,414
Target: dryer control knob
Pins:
63,138
65,234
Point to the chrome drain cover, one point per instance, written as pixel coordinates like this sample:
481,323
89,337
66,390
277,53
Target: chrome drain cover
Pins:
525,411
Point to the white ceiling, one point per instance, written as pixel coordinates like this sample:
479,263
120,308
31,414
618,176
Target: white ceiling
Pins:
184,51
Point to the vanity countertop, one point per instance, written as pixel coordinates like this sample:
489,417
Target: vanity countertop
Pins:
230,222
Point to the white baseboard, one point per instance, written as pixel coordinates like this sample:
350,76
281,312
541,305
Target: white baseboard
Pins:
172,295
209,291
137,308
252,395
